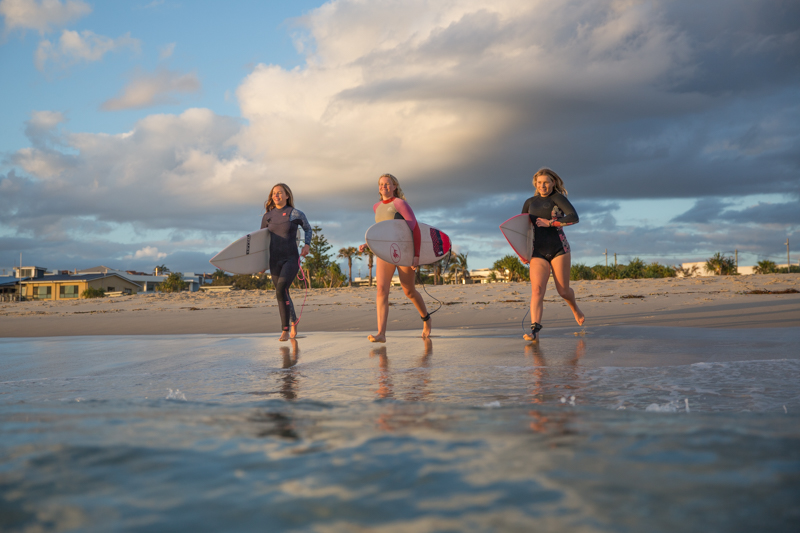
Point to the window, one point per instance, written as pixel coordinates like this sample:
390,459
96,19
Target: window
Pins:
43,292
68,291
110,289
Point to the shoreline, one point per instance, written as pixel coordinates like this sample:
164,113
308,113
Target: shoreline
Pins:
703,302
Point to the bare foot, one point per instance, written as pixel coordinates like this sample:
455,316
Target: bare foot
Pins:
293,333
530,338
284,336
579,317
377,338
426,329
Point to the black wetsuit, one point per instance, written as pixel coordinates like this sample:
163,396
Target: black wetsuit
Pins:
550,242
283,255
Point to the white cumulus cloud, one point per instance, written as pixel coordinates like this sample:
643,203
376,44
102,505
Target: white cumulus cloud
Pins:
43,15
147,90
148,252
74,47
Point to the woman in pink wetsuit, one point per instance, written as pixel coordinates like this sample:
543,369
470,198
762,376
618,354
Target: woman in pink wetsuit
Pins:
393,205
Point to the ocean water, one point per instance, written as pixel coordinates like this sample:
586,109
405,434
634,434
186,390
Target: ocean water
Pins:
615,429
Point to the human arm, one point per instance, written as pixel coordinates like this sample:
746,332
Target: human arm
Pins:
569,215
299,218
405,211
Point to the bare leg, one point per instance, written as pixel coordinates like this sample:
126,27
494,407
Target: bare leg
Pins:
406,275
561,265
383,278
540,273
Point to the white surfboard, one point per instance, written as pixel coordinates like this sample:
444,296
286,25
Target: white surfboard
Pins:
518,231
392,241
248,255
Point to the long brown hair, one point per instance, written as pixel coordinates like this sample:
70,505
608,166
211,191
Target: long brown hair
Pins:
398,192
269,205
558,183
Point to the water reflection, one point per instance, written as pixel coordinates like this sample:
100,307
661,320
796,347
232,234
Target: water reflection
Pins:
288,381
414,381
420,377
556,382
385,387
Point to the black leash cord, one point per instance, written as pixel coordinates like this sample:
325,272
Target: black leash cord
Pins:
449,256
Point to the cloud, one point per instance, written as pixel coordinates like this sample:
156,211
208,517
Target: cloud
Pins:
73,47
147,90
41,16
463,101
166,51
148,252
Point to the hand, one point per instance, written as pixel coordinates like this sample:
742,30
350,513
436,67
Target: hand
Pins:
543,223
304,252
362,248
415,263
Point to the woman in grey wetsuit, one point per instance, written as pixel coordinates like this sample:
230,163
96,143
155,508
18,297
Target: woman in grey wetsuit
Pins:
550,210
282,220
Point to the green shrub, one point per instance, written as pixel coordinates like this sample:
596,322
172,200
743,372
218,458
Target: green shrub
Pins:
91,292
173,283
581,271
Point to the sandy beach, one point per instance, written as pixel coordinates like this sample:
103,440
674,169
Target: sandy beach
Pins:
713,302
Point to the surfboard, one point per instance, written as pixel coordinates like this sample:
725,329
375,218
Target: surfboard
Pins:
247,255
392,241
518,231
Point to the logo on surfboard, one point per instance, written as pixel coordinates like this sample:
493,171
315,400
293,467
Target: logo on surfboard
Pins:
395,251
441,243
247,252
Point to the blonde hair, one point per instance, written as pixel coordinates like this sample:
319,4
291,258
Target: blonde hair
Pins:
269,205
558,183
398,192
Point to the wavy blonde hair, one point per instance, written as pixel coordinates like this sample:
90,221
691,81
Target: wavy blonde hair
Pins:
269,205
398,192
558,183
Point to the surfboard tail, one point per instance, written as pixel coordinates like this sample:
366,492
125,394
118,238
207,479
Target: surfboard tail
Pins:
441,242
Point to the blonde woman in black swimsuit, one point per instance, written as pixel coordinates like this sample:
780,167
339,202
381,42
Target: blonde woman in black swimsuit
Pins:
550,211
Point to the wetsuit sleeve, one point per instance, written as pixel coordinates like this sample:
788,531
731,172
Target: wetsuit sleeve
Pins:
300,217
570,215
264,222
526,206
405,211
375,207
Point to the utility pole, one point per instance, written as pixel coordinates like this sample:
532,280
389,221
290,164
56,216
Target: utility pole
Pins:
788,262
736,260
615,260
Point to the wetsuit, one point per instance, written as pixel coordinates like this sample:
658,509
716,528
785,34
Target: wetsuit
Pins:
550,242
283,255
398,208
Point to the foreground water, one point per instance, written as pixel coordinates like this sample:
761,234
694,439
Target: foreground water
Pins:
621,429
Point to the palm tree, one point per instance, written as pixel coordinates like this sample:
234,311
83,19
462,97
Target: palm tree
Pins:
766,267
459,264
720,265
370,263
349,253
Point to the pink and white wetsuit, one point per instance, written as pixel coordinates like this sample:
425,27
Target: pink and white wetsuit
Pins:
398,208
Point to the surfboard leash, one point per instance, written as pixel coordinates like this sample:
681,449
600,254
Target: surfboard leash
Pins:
303,277
447,264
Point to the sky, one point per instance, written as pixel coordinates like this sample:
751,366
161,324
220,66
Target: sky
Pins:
141,133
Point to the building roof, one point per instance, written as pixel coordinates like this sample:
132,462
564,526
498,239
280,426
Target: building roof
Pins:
12,281
79,277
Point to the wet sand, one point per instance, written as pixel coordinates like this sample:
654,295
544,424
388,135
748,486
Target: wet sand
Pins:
707,302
